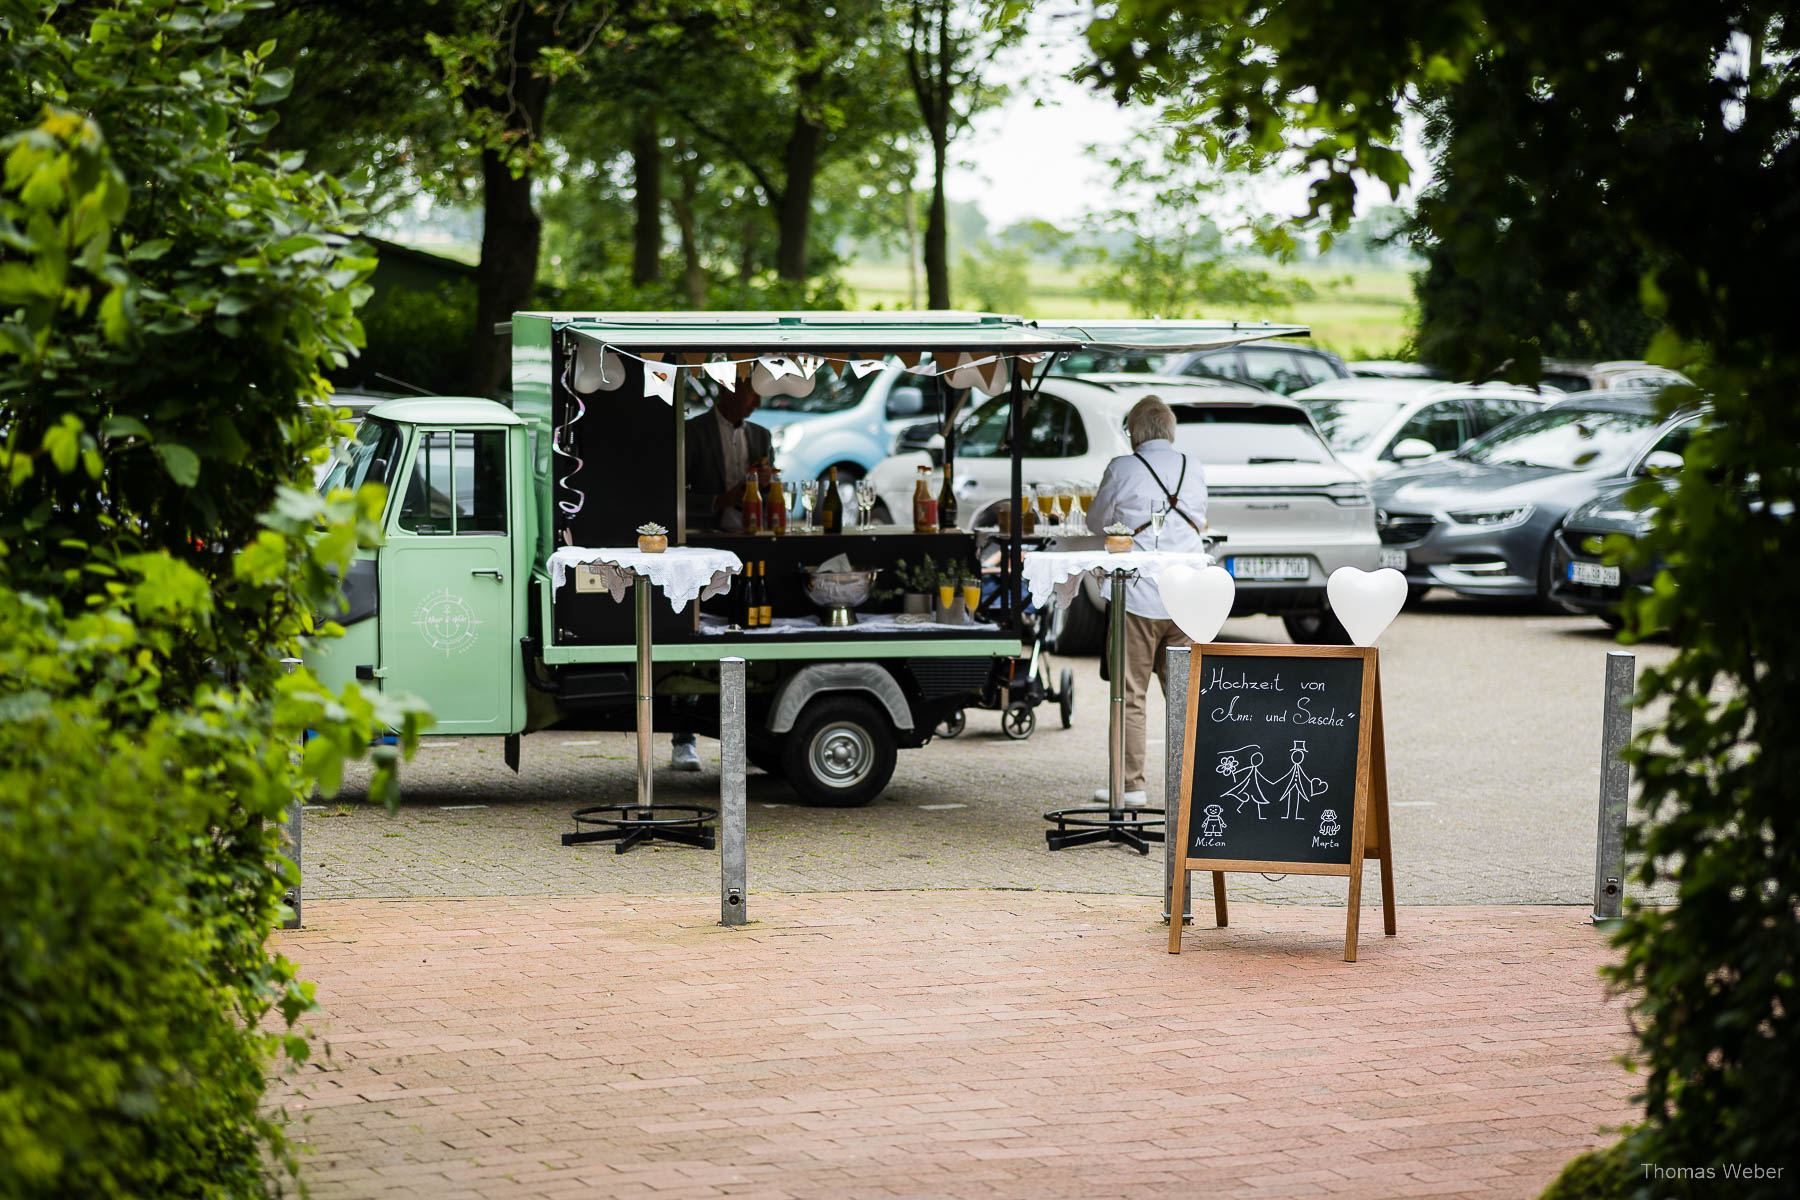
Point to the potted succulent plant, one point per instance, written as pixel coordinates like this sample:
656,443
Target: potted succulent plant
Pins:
916,585
652,538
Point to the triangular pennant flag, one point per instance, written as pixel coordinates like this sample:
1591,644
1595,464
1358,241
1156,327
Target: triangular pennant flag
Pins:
991,370
744,368
725,374
909,358
659,381
693,358
653,356
861,367
808,364
778,367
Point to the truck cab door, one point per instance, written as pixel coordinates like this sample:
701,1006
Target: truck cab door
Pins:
447,628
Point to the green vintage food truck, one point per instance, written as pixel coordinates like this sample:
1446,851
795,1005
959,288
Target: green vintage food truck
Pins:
460,605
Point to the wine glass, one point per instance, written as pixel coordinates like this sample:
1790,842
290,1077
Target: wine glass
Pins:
790,492
1157,516
809,502
1065,499
865,502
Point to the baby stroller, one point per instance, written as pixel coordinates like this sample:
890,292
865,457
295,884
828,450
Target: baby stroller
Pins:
1016,686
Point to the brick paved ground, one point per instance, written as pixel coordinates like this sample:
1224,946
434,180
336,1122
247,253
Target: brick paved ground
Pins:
1493,721
947,1044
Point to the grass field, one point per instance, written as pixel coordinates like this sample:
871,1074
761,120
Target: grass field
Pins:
1364,312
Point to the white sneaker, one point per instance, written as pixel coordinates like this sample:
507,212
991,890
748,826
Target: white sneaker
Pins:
1136,799
684,757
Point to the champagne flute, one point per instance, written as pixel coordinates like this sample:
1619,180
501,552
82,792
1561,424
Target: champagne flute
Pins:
809,502
1065,499
790,492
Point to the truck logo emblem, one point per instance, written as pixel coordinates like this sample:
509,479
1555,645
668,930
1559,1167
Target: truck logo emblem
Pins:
445,622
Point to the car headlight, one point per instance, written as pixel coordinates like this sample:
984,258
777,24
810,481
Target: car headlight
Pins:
1350,495
784,439
1493,518
1593,543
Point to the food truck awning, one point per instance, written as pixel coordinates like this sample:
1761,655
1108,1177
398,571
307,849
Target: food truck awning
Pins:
845,332
1163,337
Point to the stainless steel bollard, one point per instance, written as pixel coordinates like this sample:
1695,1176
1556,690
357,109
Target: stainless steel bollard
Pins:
1174,748
733,795
1615,786
295,815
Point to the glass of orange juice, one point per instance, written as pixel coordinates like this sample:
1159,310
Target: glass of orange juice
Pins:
971,598
946,598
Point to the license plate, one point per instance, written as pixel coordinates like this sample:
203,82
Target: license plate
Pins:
1394,558
1593,574
1259,567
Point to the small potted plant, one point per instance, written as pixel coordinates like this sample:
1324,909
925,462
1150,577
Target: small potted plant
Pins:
916,585
1118,539
652,538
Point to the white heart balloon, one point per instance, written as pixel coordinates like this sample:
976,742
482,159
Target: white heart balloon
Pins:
1366,602
1198,601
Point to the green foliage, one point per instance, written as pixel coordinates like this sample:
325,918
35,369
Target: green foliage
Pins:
995,278
1621,126
419,337
1597,1175
168,296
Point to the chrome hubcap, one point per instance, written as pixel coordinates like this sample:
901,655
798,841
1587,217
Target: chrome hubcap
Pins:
841,755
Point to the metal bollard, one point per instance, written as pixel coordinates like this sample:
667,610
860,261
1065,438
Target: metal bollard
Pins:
1180,657
1615,786
295,815
733,795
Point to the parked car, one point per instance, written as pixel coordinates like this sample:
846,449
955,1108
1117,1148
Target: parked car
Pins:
1391,368
1482,521
1580,579
1572,375
1282,367
847,422
1293,514
1376,426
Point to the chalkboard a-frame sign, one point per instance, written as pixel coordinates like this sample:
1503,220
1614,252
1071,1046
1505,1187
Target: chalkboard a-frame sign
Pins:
1285,771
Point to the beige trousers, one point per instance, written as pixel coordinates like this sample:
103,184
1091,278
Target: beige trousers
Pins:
1146,640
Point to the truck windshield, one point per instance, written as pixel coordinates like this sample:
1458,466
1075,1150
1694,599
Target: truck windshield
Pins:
370,457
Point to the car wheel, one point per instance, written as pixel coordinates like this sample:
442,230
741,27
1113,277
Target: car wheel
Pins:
1077,627
1320,628
840,752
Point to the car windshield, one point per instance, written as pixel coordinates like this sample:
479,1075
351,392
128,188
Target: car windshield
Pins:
1562,439
1248,436
1350,424
831,392
369,458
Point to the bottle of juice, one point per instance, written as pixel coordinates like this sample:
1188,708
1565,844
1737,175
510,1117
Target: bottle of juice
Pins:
925,509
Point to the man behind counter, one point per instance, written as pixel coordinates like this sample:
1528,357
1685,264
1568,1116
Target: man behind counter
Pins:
722,446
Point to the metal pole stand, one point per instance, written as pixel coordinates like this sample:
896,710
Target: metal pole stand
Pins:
1134,827
1615,787
734,887
632,825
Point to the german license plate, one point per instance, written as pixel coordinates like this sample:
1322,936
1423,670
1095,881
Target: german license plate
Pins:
1394,558
1593,575
1261,567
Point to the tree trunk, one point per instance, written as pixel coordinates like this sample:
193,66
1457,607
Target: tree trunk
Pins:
646,166
794,211
912,247
693,275
510,229
509,251
937,233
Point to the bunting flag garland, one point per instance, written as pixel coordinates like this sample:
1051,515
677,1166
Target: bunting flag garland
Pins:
601,368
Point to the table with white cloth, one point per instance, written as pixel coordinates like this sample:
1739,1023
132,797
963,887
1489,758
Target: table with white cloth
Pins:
685,574
1053,577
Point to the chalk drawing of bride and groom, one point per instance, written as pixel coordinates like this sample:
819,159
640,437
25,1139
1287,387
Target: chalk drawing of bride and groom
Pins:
1250,786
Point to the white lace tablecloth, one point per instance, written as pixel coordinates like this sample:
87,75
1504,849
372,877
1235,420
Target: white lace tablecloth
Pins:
682,572
1058,572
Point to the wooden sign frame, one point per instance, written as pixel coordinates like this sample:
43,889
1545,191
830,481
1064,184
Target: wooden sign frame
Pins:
1369,830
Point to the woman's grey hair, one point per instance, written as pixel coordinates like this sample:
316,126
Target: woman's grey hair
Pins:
1148,420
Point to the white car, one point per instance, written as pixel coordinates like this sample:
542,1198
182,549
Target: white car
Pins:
1379,425
1290,511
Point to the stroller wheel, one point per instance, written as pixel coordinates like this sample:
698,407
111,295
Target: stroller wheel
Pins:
953,724
1017,723
1065,697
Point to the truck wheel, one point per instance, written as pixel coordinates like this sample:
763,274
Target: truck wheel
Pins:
840,752
1078,628
1316,629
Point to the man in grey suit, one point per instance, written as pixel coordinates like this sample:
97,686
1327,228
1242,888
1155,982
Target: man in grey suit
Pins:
722,446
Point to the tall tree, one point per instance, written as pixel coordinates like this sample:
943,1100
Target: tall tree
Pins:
949,45
1672,127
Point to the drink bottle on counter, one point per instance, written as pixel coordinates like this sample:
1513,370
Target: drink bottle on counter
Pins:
753,505
765,615
946,504
831,505
775,504
925,509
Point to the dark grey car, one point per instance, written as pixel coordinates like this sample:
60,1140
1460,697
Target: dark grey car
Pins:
1481,521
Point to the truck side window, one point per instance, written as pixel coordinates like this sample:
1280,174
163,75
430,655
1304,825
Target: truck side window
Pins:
458,484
